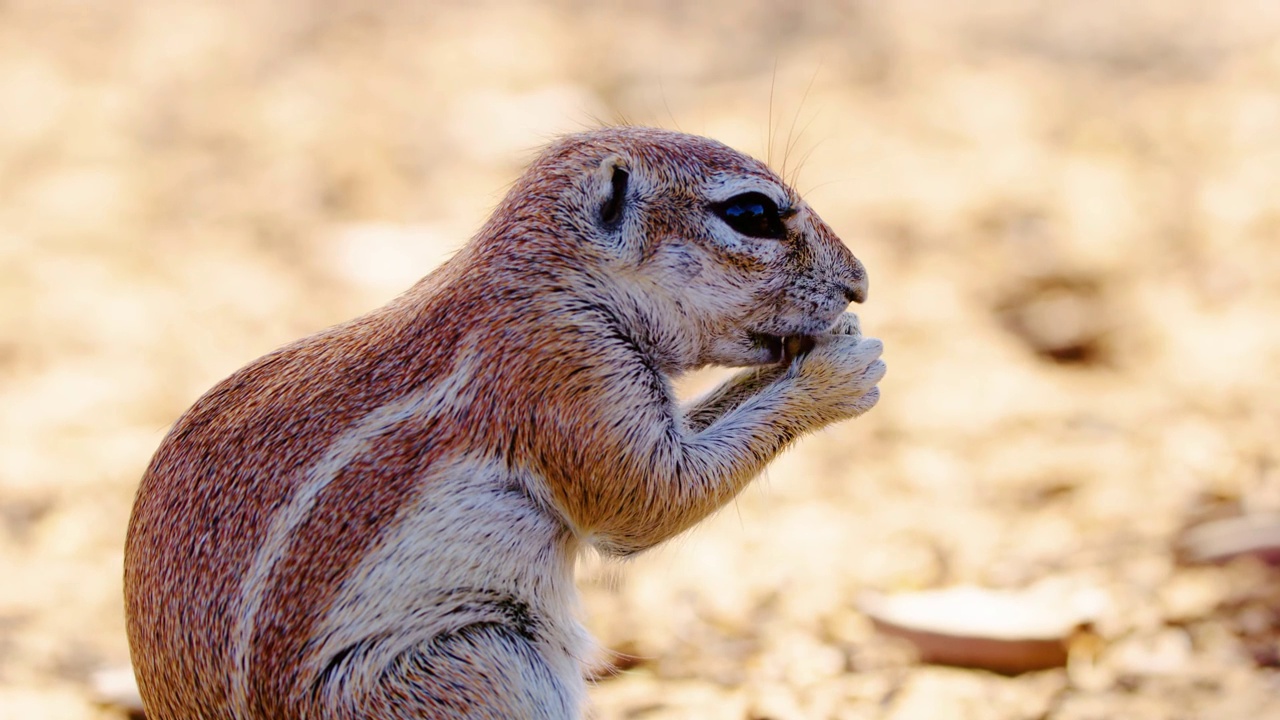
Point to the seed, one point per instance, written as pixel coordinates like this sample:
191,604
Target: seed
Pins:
796,345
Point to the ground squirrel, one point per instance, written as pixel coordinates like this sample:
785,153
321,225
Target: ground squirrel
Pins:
382,520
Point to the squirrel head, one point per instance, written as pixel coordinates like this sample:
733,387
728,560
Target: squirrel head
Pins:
713,257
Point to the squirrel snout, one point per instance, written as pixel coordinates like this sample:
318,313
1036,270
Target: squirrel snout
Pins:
856,292
855,283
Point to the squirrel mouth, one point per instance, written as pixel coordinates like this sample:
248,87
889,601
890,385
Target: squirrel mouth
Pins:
782,348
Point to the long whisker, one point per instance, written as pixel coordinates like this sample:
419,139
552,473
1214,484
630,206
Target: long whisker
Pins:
792,181
773,83
791,139
809,191
671,116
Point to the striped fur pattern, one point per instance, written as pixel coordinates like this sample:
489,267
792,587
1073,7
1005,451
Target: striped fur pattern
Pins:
382,520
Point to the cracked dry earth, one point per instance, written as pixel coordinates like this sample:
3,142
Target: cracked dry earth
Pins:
1069,216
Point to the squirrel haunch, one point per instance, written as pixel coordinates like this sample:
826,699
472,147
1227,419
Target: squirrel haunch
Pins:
382,519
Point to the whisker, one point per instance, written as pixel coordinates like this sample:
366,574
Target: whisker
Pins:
773,83
670,115
803,160
795,118
820,185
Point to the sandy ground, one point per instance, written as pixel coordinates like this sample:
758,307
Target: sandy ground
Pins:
1070,218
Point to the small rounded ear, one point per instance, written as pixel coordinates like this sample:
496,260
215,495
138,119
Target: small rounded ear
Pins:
612,181
613,178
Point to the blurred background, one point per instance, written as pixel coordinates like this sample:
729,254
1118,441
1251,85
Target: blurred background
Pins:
1070,216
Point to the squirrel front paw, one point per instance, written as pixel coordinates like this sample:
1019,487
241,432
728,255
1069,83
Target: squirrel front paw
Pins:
798,345
847,324
840,371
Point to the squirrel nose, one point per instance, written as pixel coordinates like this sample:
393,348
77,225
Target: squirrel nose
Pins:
855,288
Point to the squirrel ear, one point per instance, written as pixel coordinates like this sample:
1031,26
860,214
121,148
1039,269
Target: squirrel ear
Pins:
612,178
612,182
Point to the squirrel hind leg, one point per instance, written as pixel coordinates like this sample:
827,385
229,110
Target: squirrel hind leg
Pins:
486,671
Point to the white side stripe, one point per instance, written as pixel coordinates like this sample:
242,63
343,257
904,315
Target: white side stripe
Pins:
425,402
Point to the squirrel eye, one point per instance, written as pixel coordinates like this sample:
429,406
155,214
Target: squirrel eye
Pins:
753,214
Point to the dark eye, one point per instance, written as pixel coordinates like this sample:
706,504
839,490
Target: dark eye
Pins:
752,214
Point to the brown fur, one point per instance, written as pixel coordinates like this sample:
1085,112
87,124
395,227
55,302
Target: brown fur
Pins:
529,374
